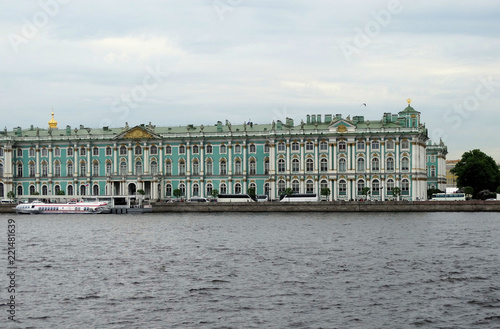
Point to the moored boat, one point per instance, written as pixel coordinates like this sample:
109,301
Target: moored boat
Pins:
71,207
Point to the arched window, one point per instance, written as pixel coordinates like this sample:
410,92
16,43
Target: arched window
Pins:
281,186
375,164
138,150
295,146
309,146
252,148
342,164
342,146
433,171
123,167
375,187
266,148
309,164
209,170
154,149
123,150
223,167
360,145
109,151
405,144
182,168
44,152
342,187
1,169
182,187
57,169
209,149
154,167
281,146
168,189
95,151
266,189
281,165
237,167
209,188
196,167
32,169
83,190
70,189
19,169
32,190
295,165
32,152
252,167
237,148
405,187
390,185
95,190
95,168
19,190
69,169
405,164
83,168
222,149
83,151
45,190
323,165
237,188
323,184
57,189
196,149
375,145
389,145
168,168
390,164
196,189
138,168
361,164
57,152
168,149
323,146
222,188
45,169
361,186
309,186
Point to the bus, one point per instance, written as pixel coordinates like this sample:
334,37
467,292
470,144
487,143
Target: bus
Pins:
234,198
448,197
308,197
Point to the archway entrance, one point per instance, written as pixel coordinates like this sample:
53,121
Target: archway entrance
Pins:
132,189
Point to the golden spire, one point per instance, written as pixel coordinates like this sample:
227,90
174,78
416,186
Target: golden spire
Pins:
409,101
52,122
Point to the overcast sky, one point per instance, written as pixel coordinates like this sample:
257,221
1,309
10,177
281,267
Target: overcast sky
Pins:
104,63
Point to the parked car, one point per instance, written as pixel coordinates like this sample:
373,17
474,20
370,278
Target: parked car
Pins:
197,199
262,198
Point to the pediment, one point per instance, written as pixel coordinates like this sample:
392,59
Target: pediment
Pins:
137,132
341,126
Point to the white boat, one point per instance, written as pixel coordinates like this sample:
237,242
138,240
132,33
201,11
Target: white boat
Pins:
72,207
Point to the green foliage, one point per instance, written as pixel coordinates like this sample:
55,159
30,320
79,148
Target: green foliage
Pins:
478,171
432,191
365,191
35,193
396,192
141,192
468,190
177,193
214,193
60,192
288,191
11,195
251,193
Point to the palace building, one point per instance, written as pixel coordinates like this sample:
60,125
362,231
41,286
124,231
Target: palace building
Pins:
342,154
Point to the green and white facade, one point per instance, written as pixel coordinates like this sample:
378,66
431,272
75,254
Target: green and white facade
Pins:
342,154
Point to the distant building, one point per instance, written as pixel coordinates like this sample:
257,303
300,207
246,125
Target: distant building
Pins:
342,154
451,179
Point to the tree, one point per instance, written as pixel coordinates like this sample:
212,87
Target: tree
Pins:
11,195
325,191
469,191
365,191
498,189
251,193
141,192
177,193
396,192
478,171
214,193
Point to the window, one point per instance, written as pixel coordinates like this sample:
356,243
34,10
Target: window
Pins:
123,168
57,189
281,186
19,190
138,150
295,186
19,152
57,169
342,164
237,167
196,189
405,164
44,152
223,167
281,165
1,153
83,168
19,169
252,148
57,152
32,169
70,189
342,187
69,169
405,145
168,190
82,190
95,168
1,170
361,186
209,149
45,169
123,150
375,145
168,168
266,189
309,164
32,190
252,167
405,187
266,166
154,150
237,188
32,152
223,188
323,146
390,186
295,165
222,149
95,151
209,170
433,171
342,146
108,168
433,158
375,187
182,187
390,164
295,146
154,167
323,184
83,151
309,186
281,146
209,188
390,144
95,190
360,145
375,164
196,149
361,164
108,151
237,148
182,168
168,150
196,167
309,146
266,148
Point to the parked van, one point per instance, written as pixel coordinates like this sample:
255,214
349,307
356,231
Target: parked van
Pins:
262,198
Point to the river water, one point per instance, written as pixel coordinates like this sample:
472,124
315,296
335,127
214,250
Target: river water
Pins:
264,270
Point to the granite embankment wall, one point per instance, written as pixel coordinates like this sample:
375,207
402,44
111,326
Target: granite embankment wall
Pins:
391,206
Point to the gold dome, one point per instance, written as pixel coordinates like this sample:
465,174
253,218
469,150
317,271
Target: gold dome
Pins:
52,122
